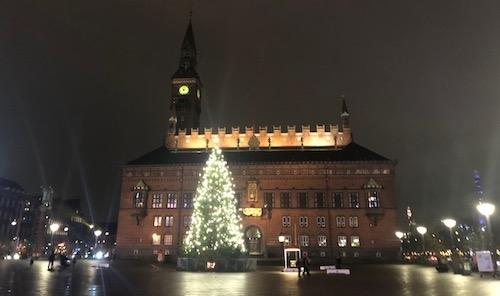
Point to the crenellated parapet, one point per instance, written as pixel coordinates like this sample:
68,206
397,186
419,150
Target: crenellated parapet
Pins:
262,137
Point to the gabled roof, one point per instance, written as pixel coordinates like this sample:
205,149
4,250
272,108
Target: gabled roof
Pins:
350,153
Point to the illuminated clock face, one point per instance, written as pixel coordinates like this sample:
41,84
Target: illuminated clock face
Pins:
183,90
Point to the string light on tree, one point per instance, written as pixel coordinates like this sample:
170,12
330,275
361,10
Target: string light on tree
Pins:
216,229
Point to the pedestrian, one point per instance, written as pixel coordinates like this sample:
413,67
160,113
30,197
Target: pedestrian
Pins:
338,264
52,257
299,265
305,264
32,261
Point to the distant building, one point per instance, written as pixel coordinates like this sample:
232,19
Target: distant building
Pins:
18,217
325,193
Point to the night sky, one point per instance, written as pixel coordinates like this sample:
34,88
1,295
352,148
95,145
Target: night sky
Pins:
85,86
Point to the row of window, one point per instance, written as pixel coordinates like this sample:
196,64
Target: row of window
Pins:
338,200
322,242
321,221
158,199
303,240
168,221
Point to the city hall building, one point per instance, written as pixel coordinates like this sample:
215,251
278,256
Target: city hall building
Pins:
312,184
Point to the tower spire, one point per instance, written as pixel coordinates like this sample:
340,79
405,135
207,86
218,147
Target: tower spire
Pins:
344,116
188,61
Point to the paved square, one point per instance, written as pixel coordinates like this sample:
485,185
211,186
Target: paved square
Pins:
136,278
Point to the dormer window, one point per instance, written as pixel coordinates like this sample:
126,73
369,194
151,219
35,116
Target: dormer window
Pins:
373,199
139,199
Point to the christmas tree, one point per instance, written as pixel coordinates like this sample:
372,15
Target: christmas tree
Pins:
216,229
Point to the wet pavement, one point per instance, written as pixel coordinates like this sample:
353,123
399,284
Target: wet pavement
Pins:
135,278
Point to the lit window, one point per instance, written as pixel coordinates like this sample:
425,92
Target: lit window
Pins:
340,221
157,221
353,221
139,199
187,200
342,241
373,199
354,200
337,200
304,240
156,239
167,239
355,241
285,200
319,200
321,220
321,240
157,200
169,221
187,221
171,201
288,240
303,221
287,221
302,200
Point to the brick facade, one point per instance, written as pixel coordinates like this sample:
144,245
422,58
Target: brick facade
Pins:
375,226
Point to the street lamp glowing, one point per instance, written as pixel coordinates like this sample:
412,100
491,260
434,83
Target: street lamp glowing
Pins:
54,227
13,223
422,230
486,209
91,226
450,223
281,238
399,234
97,233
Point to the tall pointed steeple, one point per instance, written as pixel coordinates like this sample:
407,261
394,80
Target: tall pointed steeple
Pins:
188,61
344,116
185,104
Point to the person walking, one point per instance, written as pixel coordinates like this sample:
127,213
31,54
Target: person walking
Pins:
338,264
299,265
52,257
305,263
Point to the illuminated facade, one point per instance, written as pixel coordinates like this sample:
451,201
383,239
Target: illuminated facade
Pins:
325,193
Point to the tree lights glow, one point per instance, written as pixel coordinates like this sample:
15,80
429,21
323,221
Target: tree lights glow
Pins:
216,229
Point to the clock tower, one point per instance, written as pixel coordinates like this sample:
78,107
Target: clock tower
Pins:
185,105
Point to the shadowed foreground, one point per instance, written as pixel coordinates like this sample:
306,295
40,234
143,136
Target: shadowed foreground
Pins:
133,278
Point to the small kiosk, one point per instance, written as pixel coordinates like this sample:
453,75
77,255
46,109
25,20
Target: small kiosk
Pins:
292,257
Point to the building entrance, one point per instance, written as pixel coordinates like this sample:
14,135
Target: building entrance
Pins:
253,239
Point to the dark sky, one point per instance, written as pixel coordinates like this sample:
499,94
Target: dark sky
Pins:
84,86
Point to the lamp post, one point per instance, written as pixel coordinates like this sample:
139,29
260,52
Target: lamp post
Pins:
281,239
487,209
400,235
97,233
422,230
53,228
450,223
